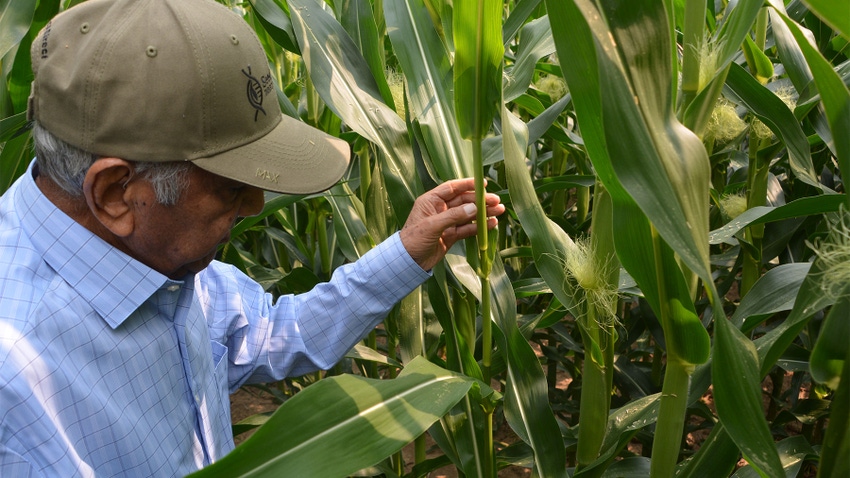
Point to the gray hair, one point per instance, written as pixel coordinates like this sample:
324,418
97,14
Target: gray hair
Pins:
66,165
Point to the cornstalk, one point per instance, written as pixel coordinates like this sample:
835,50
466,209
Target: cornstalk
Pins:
692,32
597,333
485,263
757,175
674,392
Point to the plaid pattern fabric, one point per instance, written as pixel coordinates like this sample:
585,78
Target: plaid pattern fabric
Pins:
109,368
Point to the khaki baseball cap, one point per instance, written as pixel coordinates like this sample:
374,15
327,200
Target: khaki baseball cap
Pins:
175,80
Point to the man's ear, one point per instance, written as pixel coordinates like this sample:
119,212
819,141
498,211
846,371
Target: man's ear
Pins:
105,189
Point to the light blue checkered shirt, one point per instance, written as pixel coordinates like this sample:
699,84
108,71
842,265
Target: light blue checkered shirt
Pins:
109,368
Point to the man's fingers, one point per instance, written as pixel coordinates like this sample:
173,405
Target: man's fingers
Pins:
453,188
469,197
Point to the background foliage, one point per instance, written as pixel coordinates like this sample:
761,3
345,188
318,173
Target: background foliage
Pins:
668,291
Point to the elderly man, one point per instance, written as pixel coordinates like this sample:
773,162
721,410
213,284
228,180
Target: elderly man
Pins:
156,126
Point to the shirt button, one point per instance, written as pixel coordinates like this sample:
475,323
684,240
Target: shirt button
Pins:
173,288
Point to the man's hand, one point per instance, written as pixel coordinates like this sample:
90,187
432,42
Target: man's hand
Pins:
441,217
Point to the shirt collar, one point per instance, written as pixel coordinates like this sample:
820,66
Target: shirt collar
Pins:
113,283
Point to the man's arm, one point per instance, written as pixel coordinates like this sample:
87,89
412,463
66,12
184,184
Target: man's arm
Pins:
269,339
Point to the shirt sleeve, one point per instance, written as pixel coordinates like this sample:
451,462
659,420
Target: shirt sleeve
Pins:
269,339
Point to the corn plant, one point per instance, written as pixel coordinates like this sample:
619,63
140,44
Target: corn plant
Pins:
675,243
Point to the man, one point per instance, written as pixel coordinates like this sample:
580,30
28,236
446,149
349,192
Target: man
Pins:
157,126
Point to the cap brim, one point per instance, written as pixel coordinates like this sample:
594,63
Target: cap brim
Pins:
293,158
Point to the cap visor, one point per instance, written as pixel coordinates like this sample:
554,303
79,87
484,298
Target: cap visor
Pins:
293,158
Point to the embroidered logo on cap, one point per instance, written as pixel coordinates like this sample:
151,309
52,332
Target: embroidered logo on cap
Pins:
255,93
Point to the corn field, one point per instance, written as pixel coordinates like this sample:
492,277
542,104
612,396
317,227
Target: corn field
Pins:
669,291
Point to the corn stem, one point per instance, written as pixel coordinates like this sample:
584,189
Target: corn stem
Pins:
674,391
692,36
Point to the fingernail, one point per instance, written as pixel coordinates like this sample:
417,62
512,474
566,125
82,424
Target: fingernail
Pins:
469,208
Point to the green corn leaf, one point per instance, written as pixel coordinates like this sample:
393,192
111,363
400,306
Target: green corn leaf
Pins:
735,29
623,424
773,292
835,95
798,71
717,456
517,18
661,164
527,406
737,395
806,206
836,441
657,192
276,23
457,433
13,125
535,43
353,238
342,413
685,335
550,244
14,159
344,81
427,68
526,401
760,65
273,203
631,467
477,33
15,19
828,354
526,398
357,19
776,115
809,300
793,451
20,77
833,12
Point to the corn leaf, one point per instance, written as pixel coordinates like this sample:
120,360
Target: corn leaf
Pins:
833,12
344,81
661,164
809,300
717,456
550,245
14,159
735,357
15,19
828,354
352,237
835,95
800,74
386,414
836,442
527,406
806,206
427,68
357,19
535,43
276,23
773,292
776,115
477,33
735,29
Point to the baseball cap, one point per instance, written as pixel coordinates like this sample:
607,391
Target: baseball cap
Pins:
175,80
